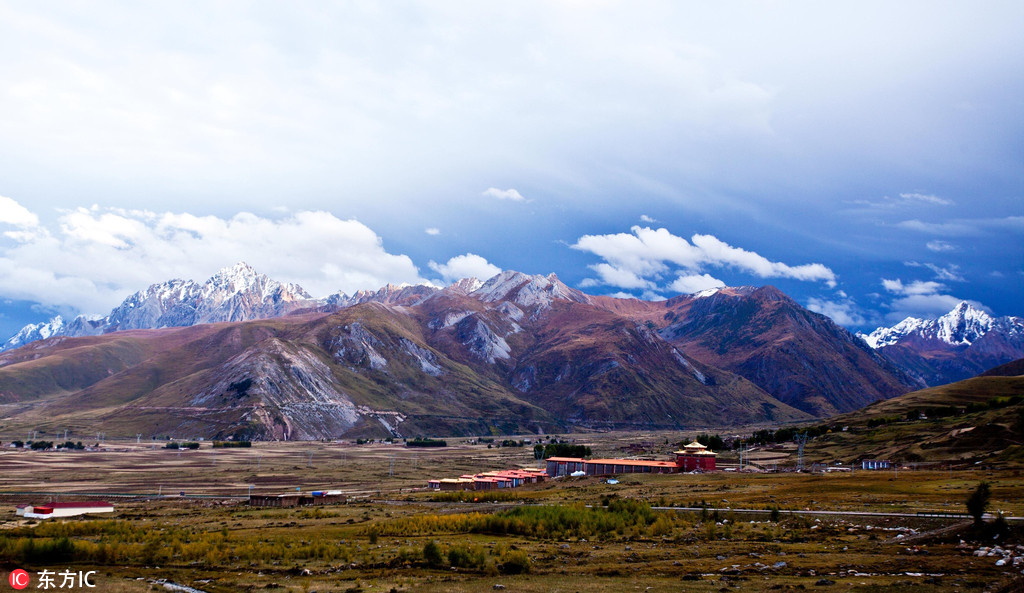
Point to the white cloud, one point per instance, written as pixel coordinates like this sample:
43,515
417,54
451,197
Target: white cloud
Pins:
940,246
432,231
692,283
647,219
917,287
645,252
13,213
966,227
722,253
921,299
950,273
925,306
843,311
469,265
614,276
927,199
954,229
96,257
903,202
504,194
631,260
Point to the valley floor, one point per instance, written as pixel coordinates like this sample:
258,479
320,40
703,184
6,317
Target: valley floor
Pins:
565,535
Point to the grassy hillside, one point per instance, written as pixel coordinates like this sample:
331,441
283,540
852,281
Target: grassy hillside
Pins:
1010,369
980,420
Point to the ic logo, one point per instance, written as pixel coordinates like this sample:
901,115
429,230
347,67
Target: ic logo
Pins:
19,579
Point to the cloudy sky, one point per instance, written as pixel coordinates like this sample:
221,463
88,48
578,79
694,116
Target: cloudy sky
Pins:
864,157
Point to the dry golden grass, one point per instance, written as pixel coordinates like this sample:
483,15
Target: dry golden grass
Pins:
219,545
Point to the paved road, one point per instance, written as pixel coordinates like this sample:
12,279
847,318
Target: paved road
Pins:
917,515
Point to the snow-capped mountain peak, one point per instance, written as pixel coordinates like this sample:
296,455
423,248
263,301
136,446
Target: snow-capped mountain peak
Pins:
236,293
39,331
526,290
707,292
960,327
234,278
465,285
243,278
963,325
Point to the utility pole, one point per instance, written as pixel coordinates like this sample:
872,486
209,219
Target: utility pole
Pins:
138,438
309,462
801,440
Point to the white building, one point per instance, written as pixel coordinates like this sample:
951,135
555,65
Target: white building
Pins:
52,510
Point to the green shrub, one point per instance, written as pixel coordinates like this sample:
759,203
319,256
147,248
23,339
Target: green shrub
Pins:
515,562
432,554
977,502
462,557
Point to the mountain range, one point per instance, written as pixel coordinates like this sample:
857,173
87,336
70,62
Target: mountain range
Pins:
243,355
238,293
958,345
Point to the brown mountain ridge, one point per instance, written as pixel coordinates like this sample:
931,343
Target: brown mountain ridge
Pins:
517,354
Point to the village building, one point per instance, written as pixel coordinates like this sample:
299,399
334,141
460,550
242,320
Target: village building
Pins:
875,464
693,457
53,510
509,478
315,498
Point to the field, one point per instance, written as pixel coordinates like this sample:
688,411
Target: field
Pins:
566,535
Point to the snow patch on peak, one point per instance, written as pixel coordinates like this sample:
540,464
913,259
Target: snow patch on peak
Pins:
240,274
42,330
960,327
963,325
527,291
707,292
465,285
499,287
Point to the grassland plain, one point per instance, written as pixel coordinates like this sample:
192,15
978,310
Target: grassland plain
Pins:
567,535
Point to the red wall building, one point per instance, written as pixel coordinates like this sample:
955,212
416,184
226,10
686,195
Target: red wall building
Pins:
695,457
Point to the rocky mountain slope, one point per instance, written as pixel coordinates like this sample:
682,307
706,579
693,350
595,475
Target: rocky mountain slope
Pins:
519,354
800,357
956,346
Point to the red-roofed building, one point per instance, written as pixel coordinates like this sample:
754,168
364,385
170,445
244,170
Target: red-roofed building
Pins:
693,457
65,509
564,466
696,457
507,478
